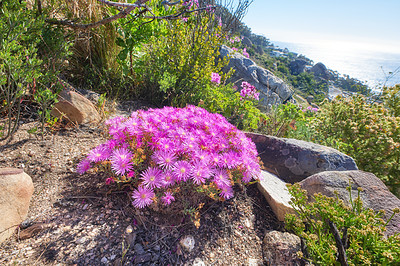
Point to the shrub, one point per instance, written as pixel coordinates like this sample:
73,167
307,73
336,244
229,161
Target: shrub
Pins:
239,108
160,150
289,121
391,99
359,232
366,132
23,75
175,67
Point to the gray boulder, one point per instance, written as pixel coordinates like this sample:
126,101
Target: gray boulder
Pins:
320,71
294,160
298,66
16,189
272,89
375,195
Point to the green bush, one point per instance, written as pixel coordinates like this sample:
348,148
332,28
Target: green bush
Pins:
366,132
361,231
391,99
225,100
289,121
175,67
23,75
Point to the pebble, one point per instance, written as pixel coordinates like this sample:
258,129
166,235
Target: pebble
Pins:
139,249
104,260
187,243
82,240
142,258
113,257
198,262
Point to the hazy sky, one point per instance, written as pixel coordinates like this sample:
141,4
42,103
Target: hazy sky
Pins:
372,23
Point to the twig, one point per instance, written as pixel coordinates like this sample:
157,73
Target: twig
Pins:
342,257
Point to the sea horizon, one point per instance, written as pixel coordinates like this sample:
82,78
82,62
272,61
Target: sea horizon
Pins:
370,65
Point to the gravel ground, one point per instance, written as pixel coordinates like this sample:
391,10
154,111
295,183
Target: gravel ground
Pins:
79,220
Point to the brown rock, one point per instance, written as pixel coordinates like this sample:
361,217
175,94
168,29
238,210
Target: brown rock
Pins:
31,231
16,189
375,194
75,108
281,248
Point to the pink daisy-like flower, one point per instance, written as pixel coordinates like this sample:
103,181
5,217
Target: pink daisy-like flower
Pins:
83,166
200,172
166,144
121,161
111,144
228,160
182,170
221,178
202,156
152,177
167,178
98,154
142,197
168,198
226,192
164,159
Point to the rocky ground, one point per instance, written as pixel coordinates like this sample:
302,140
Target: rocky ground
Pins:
79,220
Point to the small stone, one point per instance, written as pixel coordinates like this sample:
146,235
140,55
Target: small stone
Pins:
82,240
112,257
139,249
142,258
85,206
104,260
198,262
187,243
254,262
247,223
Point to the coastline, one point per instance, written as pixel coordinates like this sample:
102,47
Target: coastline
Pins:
369,66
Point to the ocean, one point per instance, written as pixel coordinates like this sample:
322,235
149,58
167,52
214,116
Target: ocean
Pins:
370,66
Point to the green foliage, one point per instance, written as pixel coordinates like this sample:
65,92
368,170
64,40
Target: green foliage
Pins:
226,101
175,67
22,73
391,100
287,120
361,230
366,132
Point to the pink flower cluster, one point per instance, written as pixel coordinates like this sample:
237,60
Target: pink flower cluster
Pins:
311,109
215,78
190,3
183,145
249,91
245,53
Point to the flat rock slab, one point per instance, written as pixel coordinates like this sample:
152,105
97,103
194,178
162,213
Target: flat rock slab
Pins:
16,189
294,160
375,194
276,194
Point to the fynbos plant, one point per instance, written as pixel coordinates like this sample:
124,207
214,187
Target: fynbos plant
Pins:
367,132
160,150
334,232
